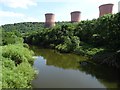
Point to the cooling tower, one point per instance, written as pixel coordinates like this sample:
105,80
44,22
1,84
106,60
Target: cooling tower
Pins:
75,16
50,20
105,9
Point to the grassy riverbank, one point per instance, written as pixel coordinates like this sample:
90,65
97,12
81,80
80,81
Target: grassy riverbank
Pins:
17,70
17,61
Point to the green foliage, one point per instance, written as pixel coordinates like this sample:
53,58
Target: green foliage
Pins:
0,36
17,71
17,53
17,77
86,37
101,32
86,49
84,30
8,63
24,27
11,38
93,51
69,44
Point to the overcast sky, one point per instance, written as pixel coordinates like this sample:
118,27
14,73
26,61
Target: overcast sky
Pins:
14,11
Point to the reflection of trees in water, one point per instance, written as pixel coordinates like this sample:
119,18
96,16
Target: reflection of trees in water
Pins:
65,61
107,76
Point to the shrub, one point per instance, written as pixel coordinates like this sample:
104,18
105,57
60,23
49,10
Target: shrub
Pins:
62,47
17,77
93,51
17,53
14,74
8,63
10,38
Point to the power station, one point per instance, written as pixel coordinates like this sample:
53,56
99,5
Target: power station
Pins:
75,16
49,20
105,9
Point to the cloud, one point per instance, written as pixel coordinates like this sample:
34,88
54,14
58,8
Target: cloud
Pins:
7,17
18,3
10,14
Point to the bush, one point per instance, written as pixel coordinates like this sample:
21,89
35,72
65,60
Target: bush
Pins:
17,53
62,48
10,38
7,63
93,51
17,77
17,71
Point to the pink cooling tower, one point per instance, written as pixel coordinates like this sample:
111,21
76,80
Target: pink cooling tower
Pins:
75,16
50,20
105,9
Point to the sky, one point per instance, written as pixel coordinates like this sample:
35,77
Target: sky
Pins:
15,11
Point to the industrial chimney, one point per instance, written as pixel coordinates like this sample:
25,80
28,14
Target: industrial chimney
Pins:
50,20
105,9
75,16
119,6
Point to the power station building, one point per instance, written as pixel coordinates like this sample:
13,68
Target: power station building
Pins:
49,20
105,9
75,16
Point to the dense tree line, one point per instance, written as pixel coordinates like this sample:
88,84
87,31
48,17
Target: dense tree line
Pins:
86,37
23,27
99,32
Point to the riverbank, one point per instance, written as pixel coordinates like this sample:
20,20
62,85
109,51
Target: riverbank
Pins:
91,38
17,70
99,56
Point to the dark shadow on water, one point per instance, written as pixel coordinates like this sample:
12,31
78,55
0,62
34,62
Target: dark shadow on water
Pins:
102,73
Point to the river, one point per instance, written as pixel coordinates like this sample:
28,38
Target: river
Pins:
58,70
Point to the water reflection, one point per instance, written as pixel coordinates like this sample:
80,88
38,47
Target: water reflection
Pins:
107,76
64,70
65,61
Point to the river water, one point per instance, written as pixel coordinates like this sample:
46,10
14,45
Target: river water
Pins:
58,70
